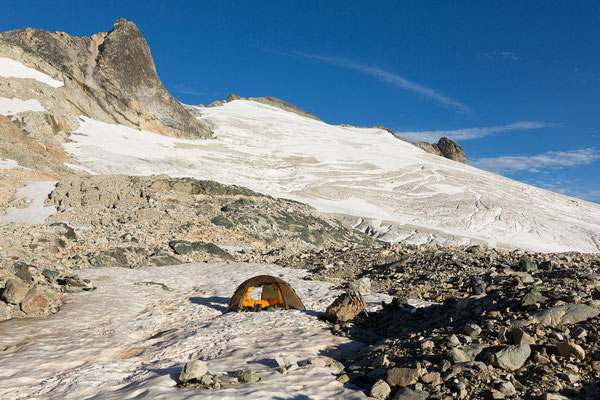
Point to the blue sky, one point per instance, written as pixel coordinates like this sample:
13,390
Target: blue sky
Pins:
516,83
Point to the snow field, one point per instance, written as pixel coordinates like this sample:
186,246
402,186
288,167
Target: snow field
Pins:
130,338
36,212
15,106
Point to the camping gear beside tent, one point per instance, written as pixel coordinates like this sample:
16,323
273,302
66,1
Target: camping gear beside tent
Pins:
276,293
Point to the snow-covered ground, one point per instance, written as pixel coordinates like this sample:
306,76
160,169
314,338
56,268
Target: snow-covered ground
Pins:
36,212
362,172
15,106
10,68
130,338
8,164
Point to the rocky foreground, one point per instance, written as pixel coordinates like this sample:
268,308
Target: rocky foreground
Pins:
502,324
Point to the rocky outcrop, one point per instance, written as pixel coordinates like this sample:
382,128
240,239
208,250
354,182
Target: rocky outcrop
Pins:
268,100
110,77
444,148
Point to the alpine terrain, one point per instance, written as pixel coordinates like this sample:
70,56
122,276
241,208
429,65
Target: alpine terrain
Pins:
128,220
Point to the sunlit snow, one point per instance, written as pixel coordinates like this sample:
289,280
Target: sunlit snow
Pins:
130,338
364,172
10,68
36,212
15,106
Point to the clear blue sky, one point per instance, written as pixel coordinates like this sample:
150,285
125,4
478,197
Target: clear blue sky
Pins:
516,83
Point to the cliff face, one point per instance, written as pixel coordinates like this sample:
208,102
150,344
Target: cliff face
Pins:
444,147
110,77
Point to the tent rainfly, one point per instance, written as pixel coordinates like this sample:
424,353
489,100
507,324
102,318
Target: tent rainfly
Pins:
276,293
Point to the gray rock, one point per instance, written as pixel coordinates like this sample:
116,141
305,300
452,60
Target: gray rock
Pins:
532,297
453,341
510,358
472,330
567,314
116,257
14,291
526,264
456,356
248,376
409,394
578,332
193,371
286,361
570,350
21,270
521,337
380,390
507,389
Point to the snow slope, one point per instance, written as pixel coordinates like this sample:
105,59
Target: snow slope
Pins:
10,68
36,213
15,106
130,338
361,172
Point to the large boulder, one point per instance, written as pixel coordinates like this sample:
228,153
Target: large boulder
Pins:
511,357
35,302
567,314
345,308
402,377
14,291
193,371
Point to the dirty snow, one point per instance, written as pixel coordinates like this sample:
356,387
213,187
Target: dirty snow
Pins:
10,68
36,213
8,164
130,338
15,106
361,172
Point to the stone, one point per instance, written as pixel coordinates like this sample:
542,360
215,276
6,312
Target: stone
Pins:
568,314
507,389
451,150
380,390
345,308
409,394
578,332
453,341
520,337
193,371
4,312
50,273
360,285
526,264
116,257
473,330
555,396
381,361
35,301
21,270
402,377
286,361
221,220
248,376
456,356
14,291
344,378
511,357
570,350
532,297
432,378
571,378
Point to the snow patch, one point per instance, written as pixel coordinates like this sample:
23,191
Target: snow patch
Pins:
128,340
8,164
10,68
15,106
37,212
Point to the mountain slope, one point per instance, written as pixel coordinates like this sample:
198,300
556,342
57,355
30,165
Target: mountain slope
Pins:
358,172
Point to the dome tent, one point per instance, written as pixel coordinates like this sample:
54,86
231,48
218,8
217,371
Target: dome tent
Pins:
276,293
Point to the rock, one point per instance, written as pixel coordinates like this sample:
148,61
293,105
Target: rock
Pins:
381,361
568,314
4,313
248,376
526,264
287,361
35,301
578,332
510,358
472,330
380,390
571,378
507,389
409,394
344,378
521,337
456,356
432,378
555,396
345,308
21,270
193,371
221,220
402,376
360,285
14,291
116,257
50,273
186,247
532,297
453,341
570,350
451,150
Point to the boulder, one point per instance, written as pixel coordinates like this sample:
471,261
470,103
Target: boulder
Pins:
520,337
402,376
511,357
409,394
14,291
345,308
35,302
567,314
451,150
526,264
248,376
21,270
532,297
380,390
570,350
193,371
